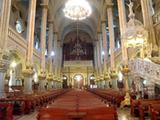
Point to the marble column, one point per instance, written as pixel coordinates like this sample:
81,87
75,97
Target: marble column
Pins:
112,43
3,68
50,46
111,36
99,52
58,59
148,21
42,75
50,57
55,50
4,24
28,71
104,33
122,24
95,58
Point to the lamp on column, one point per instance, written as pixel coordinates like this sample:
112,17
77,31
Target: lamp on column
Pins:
135,36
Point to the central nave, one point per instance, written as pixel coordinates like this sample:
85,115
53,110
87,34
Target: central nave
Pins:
79,100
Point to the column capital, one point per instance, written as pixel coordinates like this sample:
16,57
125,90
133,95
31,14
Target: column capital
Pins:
50,21
55,32
42,74
58,41
43,5
99,32
28,71
103,21
109,3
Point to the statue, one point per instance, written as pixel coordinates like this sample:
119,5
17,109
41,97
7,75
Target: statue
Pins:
130,6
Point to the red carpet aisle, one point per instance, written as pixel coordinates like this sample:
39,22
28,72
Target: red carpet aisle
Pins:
78,104
84,99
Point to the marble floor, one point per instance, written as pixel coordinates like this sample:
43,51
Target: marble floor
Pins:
123,114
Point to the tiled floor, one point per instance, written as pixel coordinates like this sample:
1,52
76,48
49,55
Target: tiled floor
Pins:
27,117
123,114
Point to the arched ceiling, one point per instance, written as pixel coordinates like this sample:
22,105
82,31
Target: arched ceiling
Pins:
64,25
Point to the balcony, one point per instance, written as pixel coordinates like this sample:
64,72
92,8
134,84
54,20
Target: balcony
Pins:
16,41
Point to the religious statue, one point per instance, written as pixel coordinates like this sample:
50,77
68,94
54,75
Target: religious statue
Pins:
130,6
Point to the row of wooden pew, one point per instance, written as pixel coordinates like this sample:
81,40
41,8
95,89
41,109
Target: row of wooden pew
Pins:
78,105
109,95
146,107
24,104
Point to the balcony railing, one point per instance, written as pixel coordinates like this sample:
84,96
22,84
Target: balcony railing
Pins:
19,40
13,35
145,69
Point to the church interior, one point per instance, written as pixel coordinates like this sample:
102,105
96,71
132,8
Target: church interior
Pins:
79,59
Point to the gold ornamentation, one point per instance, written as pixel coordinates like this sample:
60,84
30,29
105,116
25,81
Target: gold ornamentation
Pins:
42,75
113,74
4,61
28,71
125,69
126,101
50,77
106,76
101,78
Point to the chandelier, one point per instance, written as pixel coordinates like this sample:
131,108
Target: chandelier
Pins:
135,35
78,49
77,9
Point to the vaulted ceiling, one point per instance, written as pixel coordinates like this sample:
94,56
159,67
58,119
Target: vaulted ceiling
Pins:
64,25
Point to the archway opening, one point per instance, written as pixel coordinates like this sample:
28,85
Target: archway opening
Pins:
78,81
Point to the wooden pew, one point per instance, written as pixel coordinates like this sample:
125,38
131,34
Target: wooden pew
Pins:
154,111
18,104
113,96
134,107
6,111
85,114
144,107
24,104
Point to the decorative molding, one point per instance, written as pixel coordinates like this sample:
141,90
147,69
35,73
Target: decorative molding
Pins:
145,69
20,41
78,63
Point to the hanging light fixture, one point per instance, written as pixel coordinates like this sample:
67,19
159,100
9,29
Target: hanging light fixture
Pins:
77,9
77,49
